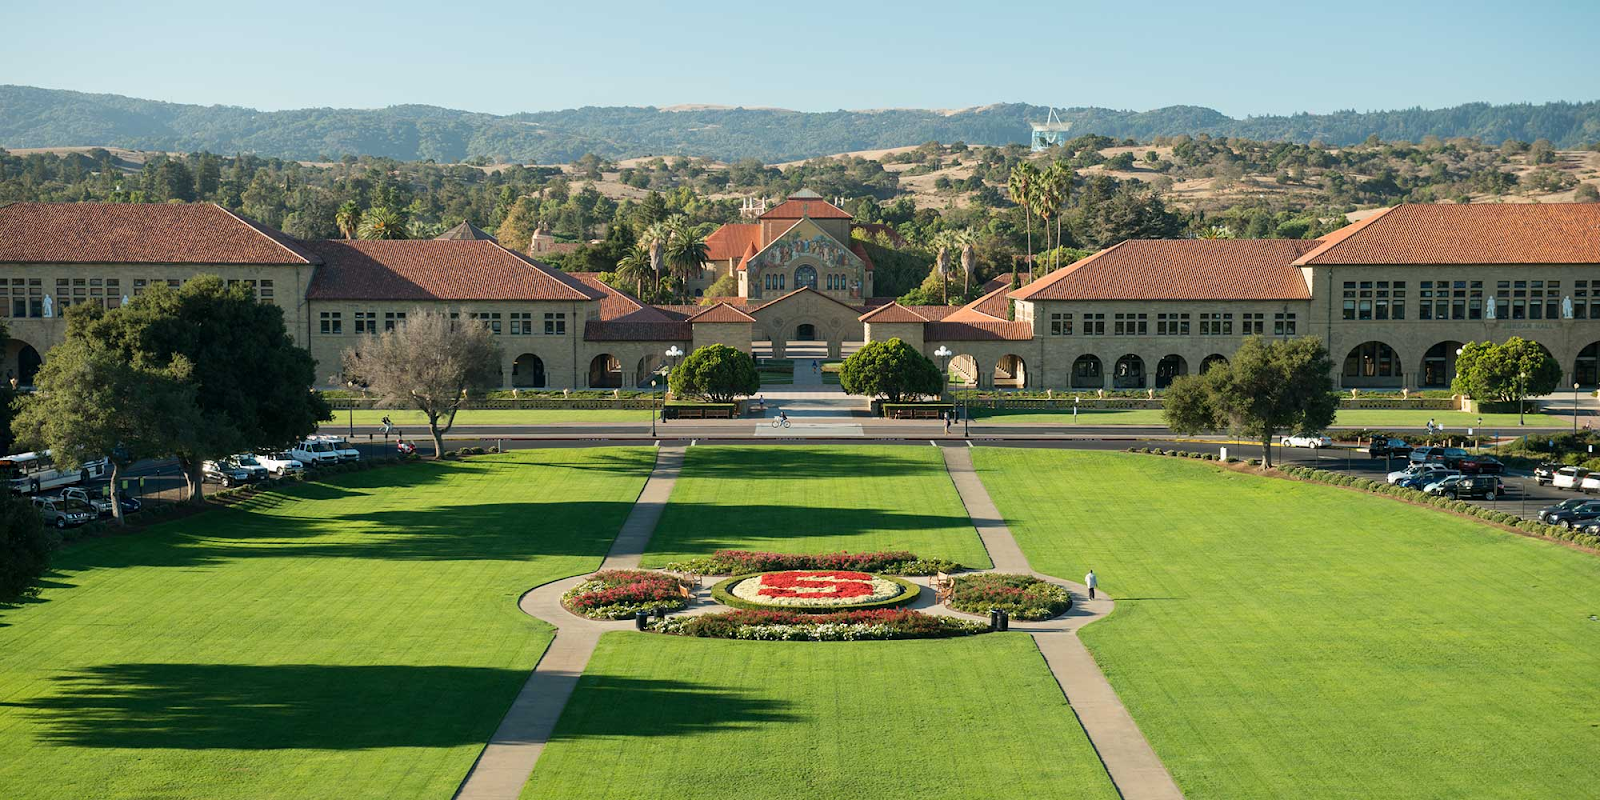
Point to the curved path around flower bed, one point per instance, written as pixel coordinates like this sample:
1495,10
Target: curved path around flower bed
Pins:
1127,755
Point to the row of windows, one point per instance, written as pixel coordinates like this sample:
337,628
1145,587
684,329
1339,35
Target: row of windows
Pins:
774,281
837,282
1468,300
24,297
522,322
1211,324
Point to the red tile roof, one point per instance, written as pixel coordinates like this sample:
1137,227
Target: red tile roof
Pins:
629,329
749,253
1510,233
615,303
933,313
779,299
1180,269
721,312
431,269
861,253
996,330
140,233
892,313
814,208
730,240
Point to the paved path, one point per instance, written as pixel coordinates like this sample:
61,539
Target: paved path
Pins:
1127,756
505,764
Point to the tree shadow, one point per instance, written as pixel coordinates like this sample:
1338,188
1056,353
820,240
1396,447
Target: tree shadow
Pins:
613,706
754,462
291,706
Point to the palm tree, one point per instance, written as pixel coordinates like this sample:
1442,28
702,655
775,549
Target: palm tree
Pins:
686,249
1046,202
967,240
1060,178
635,266
654,239
1020,184
348,219
943,242
1215,232
383,223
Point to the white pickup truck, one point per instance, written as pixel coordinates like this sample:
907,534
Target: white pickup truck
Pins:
340,446
278,463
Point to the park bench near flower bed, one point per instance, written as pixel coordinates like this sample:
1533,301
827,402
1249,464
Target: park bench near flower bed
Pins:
783,625
621,593
1022,596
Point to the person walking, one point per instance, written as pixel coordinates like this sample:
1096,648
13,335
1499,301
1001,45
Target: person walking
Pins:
1091,581
946,423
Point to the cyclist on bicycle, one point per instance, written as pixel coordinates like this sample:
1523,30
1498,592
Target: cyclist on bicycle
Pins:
783,417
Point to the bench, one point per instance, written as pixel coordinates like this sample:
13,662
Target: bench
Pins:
916,413
718,413
691,413
942,585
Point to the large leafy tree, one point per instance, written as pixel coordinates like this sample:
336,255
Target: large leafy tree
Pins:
716,372
252,382
1267,388
892,369
1505,373
25,547
431,363
93,402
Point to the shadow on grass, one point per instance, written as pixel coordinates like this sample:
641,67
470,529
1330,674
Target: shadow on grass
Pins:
794,463
611,706
284,707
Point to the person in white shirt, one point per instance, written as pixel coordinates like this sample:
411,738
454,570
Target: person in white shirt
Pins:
1091,581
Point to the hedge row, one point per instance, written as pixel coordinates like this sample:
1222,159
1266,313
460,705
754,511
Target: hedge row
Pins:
774,625
1156,451
745,562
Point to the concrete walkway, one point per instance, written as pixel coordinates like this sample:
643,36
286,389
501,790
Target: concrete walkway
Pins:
505,764
1128,758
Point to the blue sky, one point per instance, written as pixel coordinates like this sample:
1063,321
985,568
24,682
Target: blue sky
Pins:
1241,57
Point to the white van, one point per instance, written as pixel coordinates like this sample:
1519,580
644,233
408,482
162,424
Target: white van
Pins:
340,447
1569,478
314,452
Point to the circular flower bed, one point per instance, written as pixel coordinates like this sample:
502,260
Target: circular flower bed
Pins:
814,590
1022,596
620,593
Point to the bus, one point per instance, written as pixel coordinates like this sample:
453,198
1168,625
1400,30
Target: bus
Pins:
30,473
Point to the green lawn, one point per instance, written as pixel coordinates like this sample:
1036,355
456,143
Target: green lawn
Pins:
1350,418
357,638
657,717
1277,639
814,500
412,422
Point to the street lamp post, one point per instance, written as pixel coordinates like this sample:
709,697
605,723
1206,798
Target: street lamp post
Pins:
1522,390
652,410
673,353
1574,409
944,354
352,386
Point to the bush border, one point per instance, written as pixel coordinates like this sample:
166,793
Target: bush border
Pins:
722,593
949,603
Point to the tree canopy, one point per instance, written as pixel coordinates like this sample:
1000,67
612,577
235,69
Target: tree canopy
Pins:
891,369
1267,388
1507,372
716,372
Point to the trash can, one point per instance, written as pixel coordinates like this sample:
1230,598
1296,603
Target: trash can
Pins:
1005,621
641,619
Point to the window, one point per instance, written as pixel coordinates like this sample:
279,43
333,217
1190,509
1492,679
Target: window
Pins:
1253,324
1216,324
366,322
392,318
113,292
266,291
35,297
521,323
1094,324
555,324
1130,324
1282,324
1060,324
489,320
332,324
1172,324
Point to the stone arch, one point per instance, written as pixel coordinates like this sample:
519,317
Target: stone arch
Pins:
1088,372
1128,373
605,372
965,367
1211,361
805,277
527,372
1372,364
1586,368
805,332
1439,365
1011,371
22,361
645,371
1169,367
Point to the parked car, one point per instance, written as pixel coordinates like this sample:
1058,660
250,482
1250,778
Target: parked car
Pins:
341,448
1590,483
1443,486
1389,448
1421,454
1481,465
1422,479
1413,471
1569,478
62,513
1564,505
248,463
1449,456
1487,487
1311,440
101,504
1576,516
314,453
221,472
280,463
1545,474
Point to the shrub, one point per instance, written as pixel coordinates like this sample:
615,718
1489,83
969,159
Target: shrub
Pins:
1022,596
620,593
25,548
782,625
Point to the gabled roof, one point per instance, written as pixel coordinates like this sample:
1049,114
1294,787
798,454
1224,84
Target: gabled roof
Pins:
140,233
861,253
721,312
799,205
466,230
1180,269
431,269
892,313
988,331
615,302
729,241
749,253
989,307
788,295
1510,233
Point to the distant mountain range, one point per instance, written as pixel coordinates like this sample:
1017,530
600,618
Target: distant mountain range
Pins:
34,117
